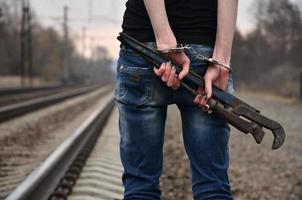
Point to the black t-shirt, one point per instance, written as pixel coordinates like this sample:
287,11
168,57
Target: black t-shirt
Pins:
192,21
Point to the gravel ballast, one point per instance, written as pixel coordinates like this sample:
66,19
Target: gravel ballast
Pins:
256,172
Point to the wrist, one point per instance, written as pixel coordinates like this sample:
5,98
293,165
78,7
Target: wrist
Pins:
225,60
222,54
166,44
222,62
166,41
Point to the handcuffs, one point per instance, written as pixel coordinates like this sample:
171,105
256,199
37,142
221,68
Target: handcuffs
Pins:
181,48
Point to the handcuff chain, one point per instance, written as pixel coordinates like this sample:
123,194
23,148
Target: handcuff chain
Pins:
202,57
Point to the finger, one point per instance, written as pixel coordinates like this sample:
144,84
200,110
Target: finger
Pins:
176,83
203,101
159,71
201,91
165,75
171,77
208,86
223,80
197,99
185,69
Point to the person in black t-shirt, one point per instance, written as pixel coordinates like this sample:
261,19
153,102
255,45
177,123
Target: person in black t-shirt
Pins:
142,93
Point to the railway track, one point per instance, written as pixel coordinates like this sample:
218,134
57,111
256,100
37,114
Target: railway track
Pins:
17,109
22,90
84,166
10,96
100,177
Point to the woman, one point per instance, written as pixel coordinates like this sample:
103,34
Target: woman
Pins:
143,93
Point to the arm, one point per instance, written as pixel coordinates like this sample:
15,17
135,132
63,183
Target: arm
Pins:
226,23
163,33
165,39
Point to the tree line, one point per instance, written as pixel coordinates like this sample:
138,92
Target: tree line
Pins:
48,51
269,57
266,58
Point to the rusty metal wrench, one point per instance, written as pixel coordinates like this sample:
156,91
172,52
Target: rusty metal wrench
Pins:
238,113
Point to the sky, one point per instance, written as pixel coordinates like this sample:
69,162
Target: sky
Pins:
101,20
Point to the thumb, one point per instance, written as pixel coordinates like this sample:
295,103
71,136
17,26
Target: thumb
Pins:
184,71
208,86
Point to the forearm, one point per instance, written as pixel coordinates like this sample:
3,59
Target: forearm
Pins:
226,24
163,33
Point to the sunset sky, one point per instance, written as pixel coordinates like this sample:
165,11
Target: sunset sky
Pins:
102,20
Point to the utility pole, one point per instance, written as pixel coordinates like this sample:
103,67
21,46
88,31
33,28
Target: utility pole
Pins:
91,47
1,15
301,85
66,48
26,45
23,44
29,46
83,41
1,18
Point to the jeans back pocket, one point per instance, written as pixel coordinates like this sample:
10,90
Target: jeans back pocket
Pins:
134,85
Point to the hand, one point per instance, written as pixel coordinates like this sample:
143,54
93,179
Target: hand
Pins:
215,75
168,73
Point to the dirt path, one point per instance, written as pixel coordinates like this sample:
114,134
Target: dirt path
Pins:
256,172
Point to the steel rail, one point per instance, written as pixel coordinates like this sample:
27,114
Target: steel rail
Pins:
43,181
18,109
11,91
21,90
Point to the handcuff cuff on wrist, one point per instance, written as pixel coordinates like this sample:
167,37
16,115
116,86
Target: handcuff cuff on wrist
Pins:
182,48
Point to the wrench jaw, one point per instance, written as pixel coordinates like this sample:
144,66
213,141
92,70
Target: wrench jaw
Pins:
238,121
258,133
262,121
279,137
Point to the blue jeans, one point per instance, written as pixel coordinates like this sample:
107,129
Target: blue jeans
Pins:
142,99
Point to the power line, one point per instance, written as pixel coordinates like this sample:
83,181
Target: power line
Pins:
96,19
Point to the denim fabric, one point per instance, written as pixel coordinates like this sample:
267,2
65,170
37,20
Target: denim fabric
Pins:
142,99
